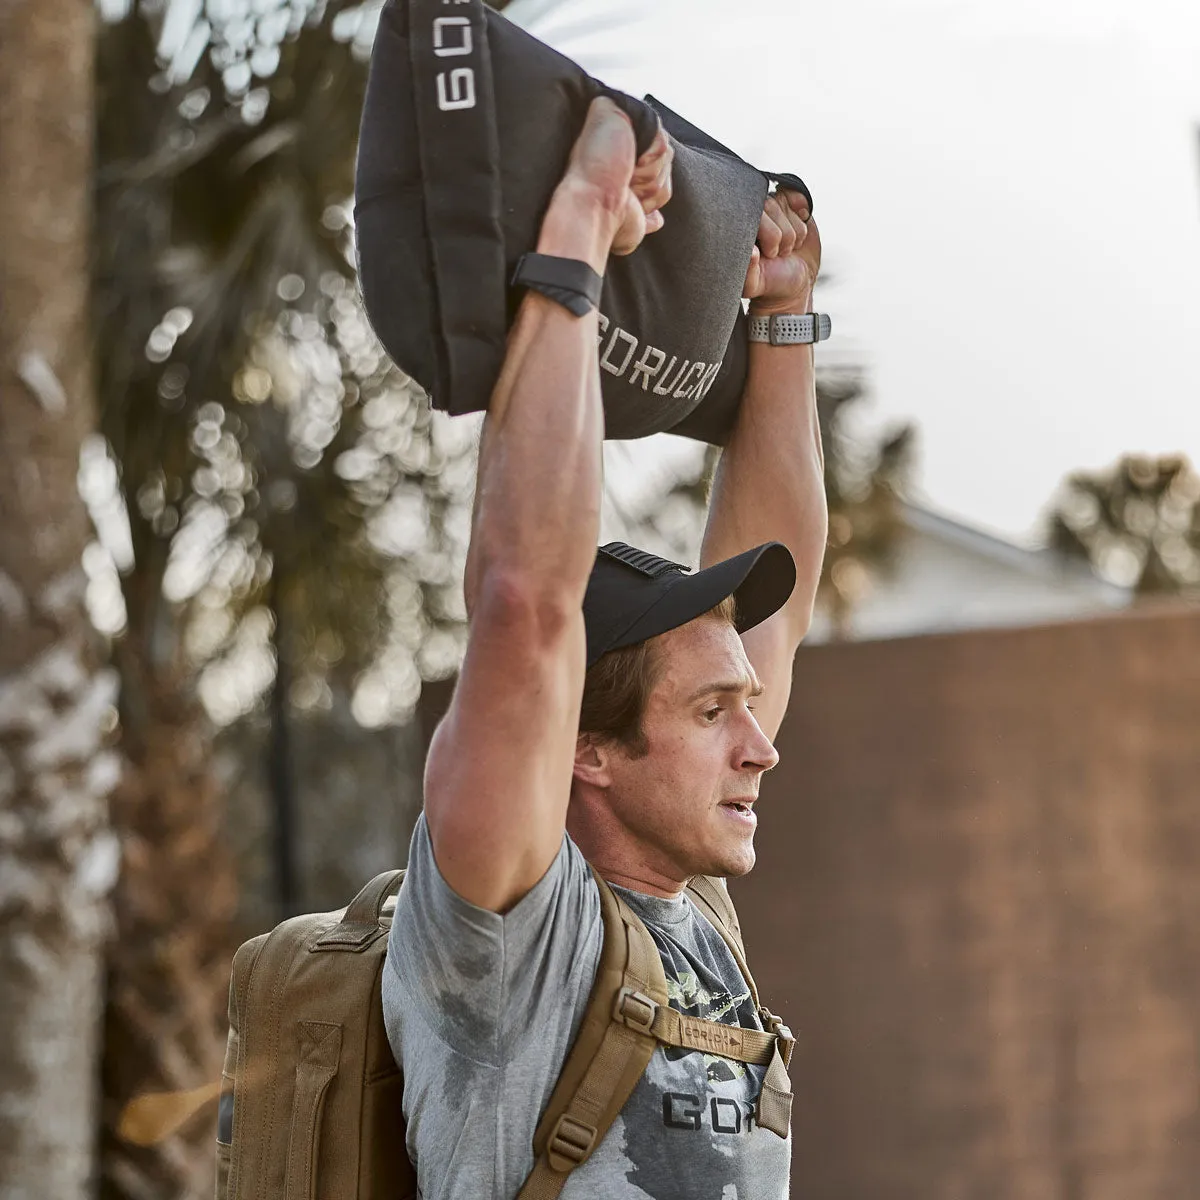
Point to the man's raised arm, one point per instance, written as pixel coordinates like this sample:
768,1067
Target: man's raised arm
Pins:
499,772
770,481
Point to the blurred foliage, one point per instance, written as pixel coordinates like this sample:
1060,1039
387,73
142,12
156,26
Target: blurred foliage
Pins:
257,428
864,481
1137,523
361,791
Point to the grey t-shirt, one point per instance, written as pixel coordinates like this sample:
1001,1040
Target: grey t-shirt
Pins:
481,1010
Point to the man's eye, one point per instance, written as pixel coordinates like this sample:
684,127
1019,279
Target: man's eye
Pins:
711,714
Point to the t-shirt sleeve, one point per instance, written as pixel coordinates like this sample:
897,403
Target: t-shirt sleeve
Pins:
477,975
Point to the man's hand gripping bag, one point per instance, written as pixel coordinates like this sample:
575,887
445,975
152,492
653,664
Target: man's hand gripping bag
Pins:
467,128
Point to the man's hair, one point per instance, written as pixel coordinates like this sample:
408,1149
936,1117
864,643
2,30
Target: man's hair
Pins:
619,683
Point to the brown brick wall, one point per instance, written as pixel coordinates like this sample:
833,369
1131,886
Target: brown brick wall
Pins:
978,902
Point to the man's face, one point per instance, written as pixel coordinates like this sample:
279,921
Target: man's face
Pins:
688,803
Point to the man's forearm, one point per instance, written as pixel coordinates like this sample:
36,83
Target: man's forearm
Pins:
537,508
770,481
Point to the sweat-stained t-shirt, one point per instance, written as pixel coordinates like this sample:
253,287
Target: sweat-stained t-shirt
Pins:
481,1010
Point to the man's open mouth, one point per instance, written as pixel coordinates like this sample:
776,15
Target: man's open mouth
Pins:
737,805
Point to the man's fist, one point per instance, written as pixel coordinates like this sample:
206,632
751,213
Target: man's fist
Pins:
631,190
787,258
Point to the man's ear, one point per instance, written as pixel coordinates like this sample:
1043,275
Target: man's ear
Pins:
592,758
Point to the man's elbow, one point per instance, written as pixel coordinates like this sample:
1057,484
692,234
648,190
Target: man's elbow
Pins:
518,604
808,551
797,618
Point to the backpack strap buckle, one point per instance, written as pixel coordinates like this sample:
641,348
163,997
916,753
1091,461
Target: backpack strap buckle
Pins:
570,1144
636,1010
775,1025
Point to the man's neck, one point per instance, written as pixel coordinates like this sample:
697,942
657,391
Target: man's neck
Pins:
608,847
664,890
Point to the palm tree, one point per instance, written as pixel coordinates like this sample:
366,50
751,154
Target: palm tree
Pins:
57,855
864,483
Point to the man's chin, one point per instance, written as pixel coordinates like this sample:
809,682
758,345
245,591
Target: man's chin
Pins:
732,865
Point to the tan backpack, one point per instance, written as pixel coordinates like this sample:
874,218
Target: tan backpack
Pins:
311,1096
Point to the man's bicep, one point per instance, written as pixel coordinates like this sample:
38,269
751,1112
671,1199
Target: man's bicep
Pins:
771,648
499,773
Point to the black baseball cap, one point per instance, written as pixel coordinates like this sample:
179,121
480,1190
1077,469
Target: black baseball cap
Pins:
633,595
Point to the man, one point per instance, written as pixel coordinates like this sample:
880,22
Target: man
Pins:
649,769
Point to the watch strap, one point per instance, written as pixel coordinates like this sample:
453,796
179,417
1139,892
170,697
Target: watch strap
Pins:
791,329
567,281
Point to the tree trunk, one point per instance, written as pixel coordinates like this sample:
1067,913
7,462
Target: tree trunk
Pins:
169,965
57,855
281,779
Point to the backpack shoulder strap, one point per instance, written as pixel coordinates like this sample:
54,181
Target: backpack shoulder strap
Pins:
627,1016
775,1099
712,898
611,1050
717,904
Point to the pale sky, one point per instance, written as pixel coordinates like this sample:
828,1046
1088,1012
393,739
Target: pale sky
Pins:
1009,201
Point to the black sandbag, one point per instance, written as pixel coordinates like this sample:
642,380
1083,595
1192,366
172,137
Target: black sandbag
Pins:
467,128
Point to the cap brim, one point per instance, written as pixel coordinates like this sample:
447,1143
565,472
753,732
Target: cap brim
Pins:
761,580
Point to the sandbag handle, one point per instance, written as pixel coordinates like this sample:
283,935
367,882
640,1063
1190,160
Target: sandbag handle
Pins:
645,119
793,183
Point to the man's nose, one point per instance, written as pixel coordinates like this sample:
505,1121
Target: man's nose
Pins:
759,752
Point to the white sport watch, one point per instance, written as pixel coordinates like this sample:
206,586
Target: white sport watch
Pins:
791,329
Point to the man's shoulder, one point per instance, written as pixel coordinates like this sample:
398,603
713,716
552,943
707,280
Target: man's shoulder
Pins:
429,909
471,973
